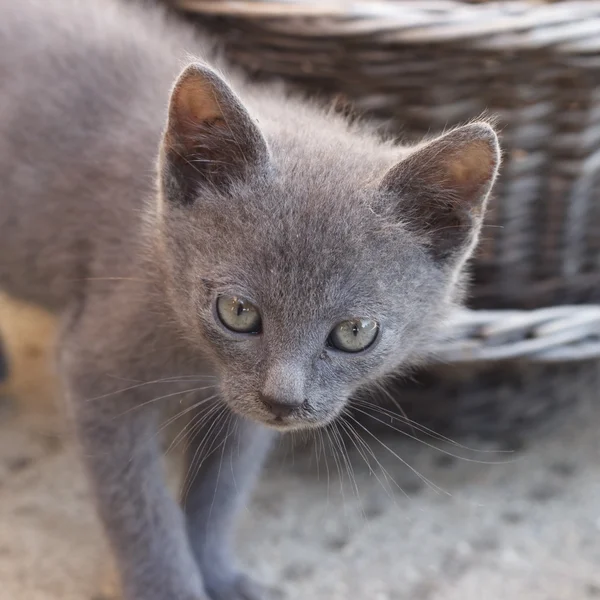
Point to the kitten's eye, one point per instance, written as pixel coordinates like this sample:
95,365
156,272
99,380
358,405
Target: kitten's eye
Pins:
354,335
238,314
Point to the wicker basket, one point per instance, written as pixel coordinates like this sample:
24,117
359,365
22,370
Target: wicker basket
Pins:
423,65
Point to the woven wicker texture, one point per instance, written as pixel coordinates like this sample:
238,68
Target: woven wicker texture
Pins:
550,335
425,65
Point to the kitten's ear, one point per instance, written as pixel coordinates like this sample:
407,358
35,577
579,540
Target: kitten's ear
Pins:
442,187
210,137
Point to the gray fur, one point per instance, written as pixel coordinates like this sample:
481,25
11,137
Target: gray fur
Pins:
128,227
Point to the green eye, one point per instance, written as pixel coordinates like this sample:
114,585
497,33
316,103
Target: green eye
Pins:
354,335
238,314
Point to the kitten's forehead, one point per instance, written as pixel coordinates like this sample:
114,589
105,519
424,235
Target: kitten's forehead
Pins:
308,241
314,251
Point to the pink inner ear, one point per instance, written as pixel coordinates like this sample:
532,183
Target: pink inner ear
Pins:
210,136
473,164
442,187
470,168
194,106
194,101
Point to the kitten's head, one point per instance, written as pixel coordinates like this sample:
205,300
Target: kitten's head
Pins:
308,258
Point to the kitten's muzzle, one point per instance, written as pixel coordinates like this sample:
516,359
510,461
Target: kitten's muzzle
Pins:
282,407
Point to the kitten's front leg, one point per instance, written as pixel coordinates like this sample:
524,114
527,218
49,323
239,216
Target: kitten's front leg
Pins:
144,523
224,460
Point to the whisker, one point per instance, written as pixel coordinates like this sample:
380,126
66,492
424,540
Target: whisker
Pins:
200,456
424,479
442,450
110,279
337,464
324,453
174,378
187,428
353,438
185,411
315,447
156,433
209,161
223,446
397,404
183,434
425,430
293,448
194,466
136,386
358,440
206,415
164,397
348,464
235,428
214,414
284,457
174,418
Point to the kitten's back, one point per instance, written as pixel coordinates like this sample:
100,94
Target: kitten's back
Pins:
83,94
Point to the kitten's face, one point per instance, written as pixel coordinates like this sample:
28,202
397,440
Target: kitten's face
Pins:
296,273
302,306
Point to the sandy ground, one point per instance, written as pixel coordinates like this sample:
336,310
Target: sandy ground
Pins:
526,527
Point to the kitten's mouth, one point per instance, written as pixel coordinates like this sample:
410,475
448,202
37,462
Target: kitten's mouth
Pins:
279,423
295,421
283,424
286,423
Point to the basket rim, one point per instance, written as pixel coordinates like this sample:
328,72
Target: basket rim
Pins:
393,8
545,335
570,26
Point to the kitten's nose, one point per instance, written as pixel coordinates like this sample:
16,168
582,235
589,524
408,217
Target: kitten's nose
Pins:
281,407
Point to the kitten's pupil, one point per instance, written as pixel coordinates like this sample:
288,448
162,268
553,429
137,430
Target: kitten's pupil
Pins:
353,335
239,315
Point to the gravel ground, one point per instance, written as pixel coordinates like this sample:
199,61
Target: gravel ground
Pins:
526,529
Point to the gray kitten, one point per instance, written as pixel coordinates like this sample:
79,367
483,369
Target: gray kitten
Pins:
210,227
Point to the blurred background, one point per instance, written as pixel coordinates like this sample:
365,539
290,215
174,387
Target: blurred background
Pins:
479,479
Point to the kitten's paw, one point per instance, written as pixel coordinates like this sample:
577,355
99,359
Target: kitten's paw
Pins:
240,587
